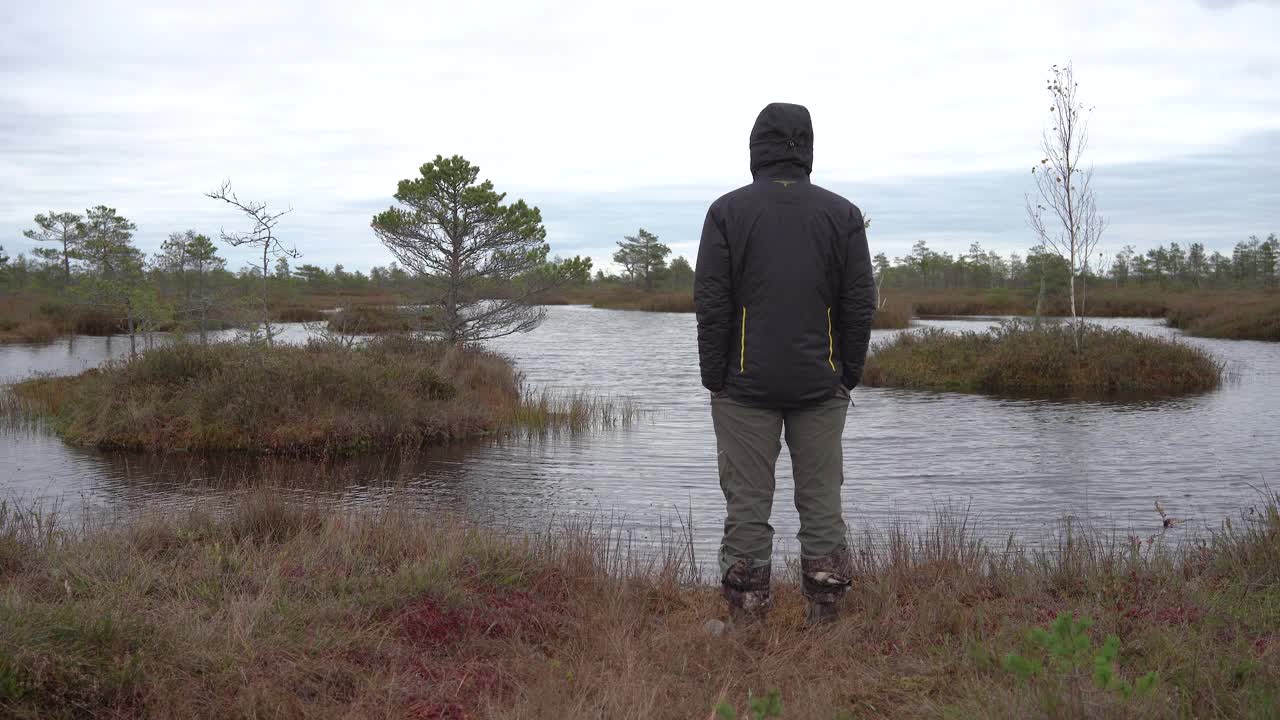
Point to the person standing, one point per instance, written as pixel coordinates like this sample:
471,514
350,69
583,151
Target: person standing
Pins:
785,295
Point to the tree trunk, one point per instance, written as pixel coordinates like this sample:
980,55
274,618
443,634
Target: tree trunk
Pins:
204,313
1084,296
204,322
266,306
1040,302
133,341
452,323
453,329
1075,323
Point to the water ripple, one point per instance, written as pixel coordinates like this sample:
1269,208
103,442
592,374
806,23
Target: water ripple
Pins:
1019,464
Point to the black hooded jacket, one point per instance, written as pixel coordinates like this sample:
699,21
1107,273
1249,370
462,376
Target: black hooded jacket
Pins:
784,288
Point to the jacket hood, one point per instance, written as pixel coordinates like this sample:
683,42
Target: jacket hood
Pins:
782,141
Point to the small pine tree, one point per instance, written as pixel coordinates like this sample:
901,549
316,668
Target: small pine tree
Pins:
642,256
463,235
63,229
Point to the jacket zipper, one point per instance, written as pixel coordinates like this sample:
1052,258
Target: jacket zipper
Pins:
742,348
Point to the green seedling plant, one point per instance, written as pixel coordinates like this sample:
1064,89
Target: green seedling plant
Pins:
1061,655
762,708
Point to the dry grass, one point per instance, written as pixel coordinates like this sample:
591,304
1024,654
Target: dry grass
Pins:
668,302
543,412
264,609
1101,302
965,302
311,306
38,318
369,319
568,295
329,300
392,392
1228,314
1017,358
27,318
22,320
37,330
893,314
1242,316
620,297
293,313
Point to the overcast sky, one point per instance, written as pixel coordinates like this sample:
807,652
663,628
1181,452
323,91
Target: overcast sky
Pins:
610,117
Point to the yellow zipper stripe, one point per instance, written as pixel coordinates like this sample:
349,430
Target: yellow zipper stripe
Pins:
742,351
830,343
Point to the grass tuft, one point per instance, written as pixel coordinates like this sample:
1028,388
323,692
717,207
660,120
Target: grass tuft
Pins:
259,606
323,399
668,302
370,319
543,411
1242,317
893,315
1017,358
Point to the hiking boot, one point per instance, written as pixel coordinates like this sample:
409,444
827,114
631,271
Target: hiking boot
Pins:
821,612
823,583
746,589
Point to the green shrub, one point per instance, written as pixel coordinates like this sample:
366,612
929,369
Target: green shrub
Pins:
1060,656
179,363
762,708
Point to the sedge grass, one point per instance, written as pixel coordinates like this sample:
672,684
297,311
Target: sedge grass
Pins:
324,400
261,607
1253,316
1019,358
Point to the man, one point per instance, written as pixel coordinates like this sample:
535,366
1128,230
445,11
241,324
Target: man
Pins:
785,297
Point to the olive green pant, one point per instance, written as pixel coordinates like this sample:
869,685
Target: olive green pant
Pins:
747,443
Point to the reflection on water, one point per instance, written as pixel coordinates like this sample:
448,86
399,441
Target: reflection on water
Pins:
1019,464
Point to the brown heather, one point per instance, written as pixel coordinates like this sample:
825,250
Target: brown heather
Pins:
31,319
35,317
1243,316
892,316
369,319
1228,314
298,306
1017,358
265,609
291,313
322,399
671,302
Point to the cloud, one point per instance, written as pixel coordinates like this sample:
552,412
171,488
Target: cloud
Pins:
1217,198
1225,4
585,106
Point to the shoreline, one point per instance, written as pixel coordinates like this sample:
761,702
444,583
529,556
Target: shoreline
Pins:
1230,314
